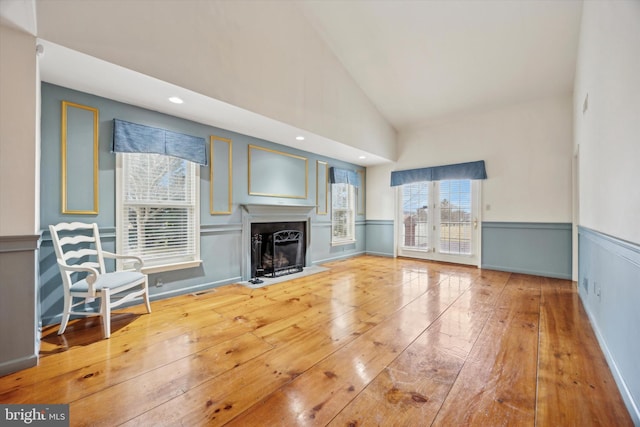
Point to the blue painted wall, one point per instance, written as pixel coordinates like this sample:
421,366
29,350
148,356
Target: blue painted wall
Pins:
18,329
609,287
542,249
220,235
380,237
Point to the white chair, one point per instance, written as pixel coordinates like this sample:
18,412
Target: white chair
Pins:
80,243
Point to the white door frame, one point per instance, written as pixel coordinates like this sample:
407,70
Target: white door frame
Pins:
432,253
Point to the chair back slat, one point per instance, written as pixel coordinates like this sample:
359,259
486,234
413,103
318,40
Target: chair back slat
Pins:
75,240
84,243
91,264
79,254
72,226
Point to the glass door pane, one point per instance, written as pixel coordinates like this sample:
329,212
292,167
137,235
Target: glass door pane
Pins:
455,217
415,215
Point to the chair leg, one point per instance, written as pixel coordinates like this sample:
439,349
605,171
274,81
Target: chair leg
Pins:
65,314
105,312
146,295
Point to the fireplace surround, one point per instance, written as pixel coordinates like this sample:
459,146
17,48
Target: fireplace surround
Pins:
276,213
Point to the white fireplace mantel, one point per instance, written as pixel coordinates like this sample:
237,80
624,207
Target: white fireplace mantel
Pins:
280,210
272,213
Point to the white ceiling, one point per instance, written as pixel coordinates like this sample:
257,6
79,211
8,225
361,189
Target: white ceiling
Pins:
416,60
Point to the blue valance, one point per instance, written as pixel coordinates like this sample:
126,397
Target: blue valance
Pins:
470,170
134,138
344,176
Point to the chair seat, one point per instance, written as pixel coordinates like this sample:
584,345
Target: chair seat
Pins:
109,280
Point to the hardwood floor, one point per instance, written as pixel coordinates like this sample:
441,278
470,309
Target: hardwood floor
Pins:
372,341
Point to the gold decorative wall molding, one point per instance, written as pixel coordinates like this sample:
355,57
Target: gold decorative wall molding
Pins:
219,144
322,187
361,194
277,174
78,137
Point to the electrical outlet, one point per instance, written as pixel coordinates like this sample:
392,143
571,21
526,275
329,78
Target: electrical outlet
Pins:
159,283
585,284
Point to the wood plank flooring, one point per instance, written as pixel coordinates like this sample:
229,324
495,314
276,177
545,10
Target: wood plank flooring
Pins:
372,341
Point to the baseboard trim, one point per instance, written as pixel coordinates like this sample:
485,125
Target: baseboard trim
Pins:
525,271
383,254
634,411
16,365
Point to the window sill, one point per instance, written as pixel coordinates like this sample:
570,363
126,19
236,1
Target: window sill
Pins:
170,267
415,249
343,242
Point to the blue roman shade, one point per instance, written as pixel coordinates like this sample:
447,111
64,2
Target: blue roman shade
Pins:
134,138
470,170
344,176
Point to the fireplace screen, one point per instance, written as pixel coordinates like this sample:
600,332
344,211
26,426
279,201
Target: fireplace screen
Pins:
277,249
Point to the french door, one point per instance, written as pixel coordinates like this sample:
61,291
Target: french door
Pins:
439,220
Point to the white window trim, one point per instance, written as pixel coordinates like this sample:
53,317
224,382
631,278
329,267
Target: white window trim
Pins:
159,267
345,241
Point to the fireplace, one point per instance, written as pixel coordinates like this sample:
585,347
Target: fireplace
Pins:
277,248
275,239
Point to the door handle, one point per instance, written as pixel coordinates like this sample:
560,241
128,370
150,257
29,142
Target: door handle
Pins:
475,222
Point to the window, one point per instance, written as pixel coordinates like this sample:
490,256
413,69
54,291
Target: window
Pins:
343,215
157,210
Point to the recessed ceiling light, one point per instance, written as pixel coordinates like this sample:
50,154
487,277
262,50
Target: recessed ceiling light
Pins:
300,138
362,157
176,100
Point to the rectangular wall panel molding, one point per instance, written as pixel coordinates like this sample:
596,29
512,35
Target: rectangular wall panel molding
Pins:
542,249
221,175
609,288
274,173
322,187
80,160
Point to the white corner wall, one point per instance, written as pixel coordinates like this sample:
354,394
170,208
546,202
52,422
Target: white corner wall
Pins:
607,140
608,132
19,206
18,126
263,56
527,149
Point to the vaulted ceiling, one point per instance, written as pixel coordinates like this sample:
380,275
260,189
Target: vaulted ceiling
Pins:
417,61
